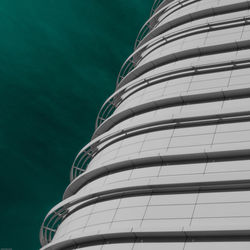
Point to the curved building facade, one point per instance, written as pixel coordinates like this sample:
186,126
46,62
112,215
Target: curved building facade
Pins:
168,166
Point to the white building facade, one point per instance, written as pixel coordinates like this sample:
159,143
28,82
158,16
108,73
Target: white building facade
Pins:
168,166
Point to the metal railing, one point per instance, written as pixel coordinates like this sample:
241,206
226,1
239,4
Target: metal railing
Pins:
134,59
50,225
113,102
90,150
156,4
154,20
67,207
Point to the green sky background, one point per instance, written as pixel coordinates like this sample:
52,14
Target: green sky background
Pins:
59,60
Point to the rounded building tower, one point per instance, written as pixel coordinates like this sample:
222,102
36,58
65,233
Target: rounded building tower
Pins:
168,166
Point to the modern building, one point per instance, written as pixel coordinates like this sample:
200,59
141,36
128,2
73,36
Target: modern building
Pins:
168,166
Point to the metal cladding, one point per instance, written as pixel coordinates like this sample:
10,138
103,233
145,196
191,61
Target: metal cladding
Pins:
168,166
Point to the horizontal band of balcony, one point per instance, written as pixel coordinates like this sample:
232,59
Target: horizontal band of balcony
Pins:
69,206
95,147
223,94
56,216
135,58
231,8
91,149
186,234
153,20
94,174
117,98
181,55
133,61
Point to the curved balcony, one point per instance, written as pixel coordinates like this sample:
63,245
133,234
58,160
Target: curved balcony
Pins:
72,204
96,146
51,223
153,21
175,22
89,151
117,98
155,6
135,236
159,4
134,59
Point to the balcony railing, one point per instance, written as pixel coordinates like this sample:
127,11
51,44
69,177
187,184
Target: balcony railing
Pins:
154,20
156,4
95,146
67,207
134,59
114,101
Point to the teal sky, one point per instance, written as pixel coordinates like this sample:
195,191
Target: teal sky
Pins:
59,60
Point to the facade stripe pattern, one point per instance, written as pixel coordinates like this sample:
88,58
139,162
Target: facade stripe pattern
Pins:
168,166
